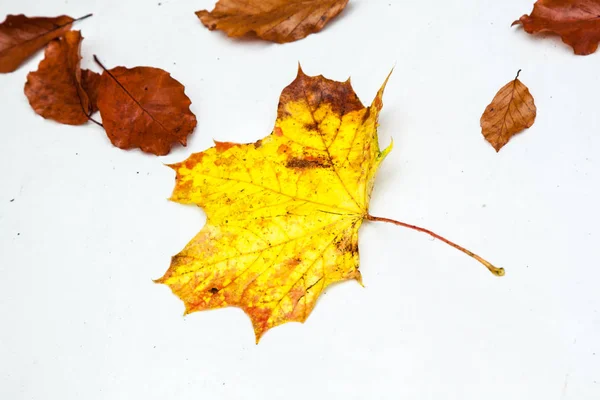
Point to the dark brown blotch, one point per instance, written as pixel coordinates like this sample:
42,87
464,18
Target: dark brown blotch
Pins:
308,163
347,246
311,127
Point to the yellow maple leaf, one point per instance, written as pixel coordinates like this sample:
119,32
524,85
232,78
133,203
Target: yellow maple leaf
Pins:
283,213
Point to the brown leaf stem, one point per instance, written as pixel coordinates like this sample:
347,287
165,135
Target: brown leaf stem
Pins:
82,18
494,270
100,64
94,121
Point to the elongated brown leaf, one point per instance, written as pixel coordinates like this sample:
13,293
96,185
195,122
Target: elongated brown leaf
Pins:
144,107
54,90
511,111
278,21
21,36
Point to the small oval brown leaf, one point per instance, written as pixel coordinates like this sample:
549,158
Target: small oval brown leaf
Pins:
144,107
54,90
511,111
21,36
279,21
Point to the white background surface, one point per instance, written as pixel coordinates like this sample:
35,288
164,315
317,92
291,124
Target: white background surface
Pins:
90,226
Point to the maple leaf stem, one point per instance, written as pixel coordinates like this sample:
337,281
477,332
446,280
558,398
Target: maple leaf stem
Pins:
82,18
494,270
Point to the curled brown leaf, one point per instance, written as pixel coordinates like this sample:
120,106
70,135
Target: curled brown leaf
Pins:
21,36
54,90
576,21
278,21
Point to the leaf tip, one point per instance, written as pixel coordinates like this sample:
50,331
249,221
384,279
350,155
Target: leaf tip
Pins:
189,308
300,71
360,281
158,280
383,86
387,150
258,334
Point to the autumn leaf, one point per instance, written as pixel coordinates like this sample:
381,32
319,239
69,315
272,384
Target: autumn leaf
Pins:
144,107
54,90
283,213
511,111
278,21
21,36
576,21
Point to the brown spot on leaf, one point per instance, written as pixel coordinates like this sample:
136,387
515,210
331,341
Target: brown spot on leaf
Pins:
277,131
190,163
308,162
224,146
293,262
257,144
346,245
214,290
283,148
312,126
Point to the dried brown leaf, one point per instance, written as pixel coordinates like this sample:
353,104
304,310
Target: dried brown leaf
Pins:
511,111
278,21
576,21
54,90
21,36
144,107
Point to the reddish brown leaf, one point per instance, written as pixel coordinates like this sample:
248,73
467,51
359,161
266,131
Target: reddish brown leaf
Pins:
21,36
576,21
144,107
54,90
511,111
279,21
90,81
